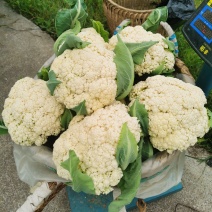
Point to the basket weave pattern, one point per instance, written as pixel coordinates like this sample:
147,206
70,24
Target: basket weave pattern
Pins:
118,10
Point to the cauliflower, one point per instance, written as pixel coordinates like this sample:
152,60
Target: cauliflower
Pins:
97,43
91,35
30,113
177,116
94,140
155,56
85,75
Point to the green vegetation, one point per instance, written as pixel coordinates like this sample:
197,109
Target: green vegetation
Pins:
42,13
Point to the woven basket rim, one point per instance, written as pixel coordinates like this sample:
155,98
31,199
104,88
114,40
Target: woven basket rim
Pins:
127,9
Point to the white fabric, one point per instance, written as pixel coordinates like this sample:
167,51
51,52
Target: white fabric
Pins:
185,78
34,200
34,164
162,176
159,174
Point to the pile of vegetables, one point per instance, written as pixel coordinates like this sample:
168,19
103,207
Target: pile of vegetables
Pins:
112,102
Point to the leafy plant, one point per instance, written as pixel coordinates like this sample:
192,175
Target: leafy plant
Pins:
155,17
68,114
147,150
80,109
98,26
170,44
69,41
126,151
66,118
80,181
67,18
43,74
3,128
125,69
128,184
52,82
138,110
138,50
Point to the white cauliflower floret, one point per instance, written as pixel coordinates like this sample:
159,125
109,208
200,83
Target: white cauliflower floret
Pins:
156,54
97,43
91,35
94,140
85,75
30,113
169,60
177,116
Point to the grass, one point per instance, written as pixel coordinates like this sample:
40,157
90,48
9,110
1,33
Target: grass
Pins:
42,13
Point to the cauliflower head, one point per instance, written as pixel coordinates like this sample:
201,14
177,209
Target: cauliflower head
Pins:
30,113
94,140
85,75
92,36
155,56
96,41
177,116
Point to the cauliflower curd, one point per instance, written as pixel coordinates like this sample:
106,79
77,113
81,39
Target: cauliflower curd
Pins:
94,140
91,35
177,116
30,113
85,75
97,43
155,56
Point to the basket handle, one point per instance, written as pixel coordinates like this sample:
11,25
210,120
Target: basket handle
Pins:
123,24
41,197
171,35
165,25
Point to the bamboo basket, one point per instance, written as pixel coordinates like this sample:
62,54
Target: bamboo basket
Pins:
136,10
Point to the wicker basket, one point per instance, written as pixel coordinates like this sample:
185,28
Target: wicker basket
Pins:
118,10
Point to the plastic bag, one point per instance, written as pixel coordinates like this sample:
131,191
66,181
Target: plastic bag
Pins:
181,9
159,173
34,164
